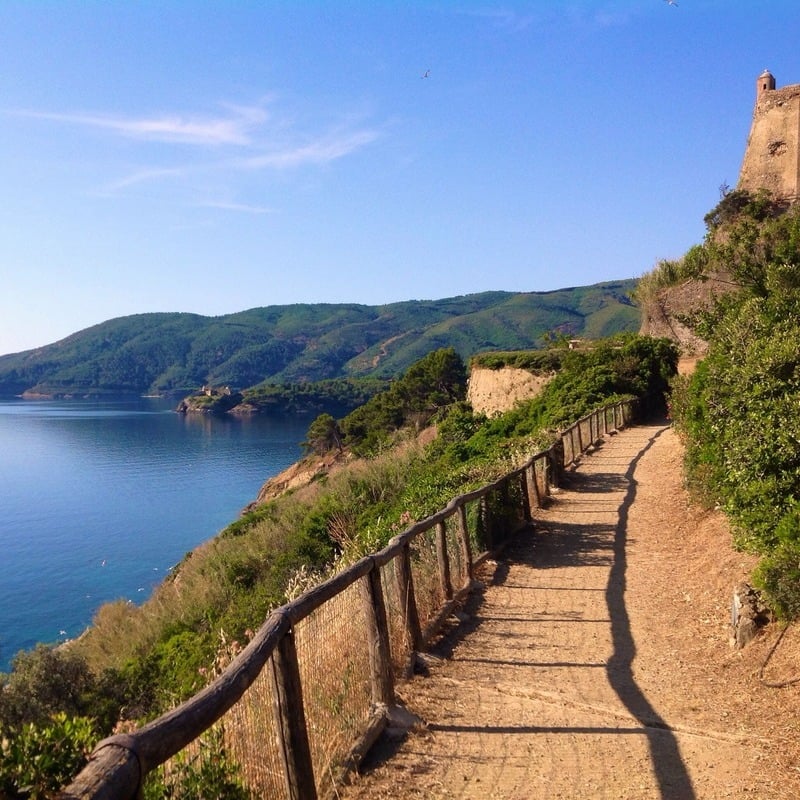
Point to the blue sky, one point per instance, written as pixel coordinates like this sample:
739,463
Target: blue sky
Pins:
216,156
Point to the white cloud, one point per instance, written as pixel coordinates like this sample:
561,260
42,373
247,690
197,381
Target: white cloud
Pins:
600,14
235,129
241,139
322,151
146,175
243,207
245,127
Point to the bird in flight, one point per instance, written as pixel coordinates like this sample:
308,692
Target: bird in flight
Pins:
426,74
671,3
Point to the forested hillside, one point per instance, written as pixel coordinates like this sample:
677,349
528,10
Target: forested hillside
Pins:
176,352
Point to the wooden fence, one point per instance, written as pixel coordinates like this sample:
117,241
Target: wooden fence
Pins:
310,693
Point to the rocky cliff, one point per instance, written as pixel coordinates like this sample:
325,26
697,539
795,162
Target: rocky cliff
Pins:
490,391
666,314
494,391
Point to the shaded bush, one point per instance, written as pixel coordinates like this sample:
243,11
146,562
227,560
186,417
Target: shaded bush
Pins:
45,681
37,759
738,413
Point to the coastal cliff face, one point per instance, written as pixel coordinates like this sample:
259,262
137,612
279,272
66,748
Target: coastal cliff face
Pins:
665,314
490,391
299,474
495,391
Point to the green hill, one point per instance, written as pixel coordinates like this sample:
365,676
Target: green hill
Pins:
175,352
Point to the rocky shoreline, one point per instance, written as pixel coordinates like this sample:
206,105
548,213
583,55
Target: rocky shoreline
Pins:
215,401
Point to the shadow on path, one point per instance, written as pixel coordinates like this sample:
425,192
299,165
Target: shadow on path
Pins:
558,544
673,778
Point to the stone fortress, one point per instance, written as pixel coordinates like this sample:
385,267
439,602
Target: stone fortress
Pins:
772,157
772,162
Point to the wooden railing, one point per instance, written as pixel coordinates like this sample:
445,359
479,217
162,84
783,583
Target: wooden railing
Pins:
315,686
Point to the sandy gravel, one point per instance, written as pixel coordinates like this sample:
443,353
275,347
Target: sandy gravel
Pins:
597,663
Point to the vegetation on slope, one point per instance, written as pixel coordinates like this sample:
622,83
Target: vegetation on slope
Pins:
739,410
300,344
739,213
135,662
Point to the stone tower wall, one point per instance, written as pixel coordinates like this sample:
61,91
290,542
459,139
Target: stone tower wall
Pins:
772,158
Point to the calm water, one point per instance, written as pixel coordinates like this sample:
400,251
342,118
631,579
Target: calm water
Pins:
99,499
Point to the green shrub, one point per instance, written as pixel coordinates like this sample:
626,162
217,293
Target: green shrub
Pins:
44,681
778,575
738,413
538,362
38,759
208,774
738,204
429,385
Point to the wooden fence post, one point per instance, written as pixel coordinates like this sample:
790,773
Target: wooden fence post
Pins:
291,721
405,582
466,547
524,496
533,483
443,560
380,655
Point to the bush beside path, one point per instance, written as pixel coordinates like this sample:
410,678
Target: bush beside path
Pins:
596,662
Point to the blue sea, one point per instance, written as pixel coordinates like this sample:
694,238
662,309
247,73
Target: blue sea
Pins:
100,499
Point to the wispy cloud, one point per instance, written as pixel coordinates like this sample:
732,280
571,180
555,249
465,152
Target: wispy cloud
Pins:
187,156
234,129
287,155
246,128
323,150
146,175
611,13
503,18
242,207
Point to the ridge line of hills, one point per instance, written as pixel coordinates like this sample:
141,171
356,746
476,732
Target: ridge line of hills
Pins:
177,352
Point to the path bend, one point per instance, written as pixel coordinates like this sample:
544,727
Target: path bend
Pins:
584,670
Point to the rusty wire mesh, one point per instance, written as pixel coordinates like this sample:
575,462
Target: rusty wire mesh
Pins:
243,744
333,658
585,427
399,644
426,577
476,527
252,740
459,569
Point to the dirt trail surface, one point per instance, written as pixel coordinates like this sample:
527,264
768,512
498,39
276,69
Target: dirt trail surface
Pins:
596,663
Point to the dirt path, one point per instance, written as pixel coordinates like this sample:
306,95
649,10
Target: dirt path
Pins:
597,663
